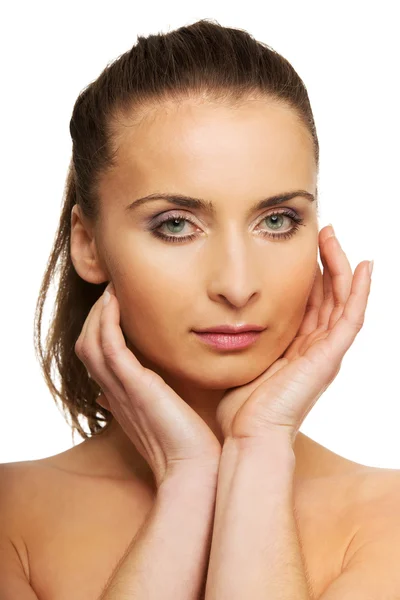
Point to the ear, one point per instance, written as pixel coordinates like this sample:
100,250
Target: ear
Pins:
84,252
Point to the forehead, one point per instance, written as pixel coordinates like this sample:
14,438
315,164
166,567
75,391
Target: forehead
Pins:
255,147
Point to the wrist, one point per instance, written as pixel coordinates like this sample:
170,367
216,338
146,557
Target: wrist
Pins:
191,477
274,451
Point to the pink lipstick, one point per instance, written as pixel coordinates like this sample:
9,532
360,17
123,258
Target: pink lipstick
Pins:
229,341
230,337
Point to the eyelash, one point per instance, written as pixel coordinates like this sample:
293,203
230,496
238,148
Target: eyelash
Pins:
179,217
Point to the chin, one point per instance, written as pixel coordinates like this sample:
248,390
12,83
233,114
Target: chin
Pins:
212,372
226,378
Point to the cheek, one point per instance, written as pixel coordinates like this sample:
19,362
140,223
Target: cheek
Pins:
292,302
152,303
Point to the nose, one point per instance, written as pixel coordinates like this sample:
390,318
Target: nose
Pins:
235,274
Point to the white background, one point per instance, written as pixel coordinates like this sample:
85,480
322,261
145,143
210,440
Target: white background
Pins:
347,53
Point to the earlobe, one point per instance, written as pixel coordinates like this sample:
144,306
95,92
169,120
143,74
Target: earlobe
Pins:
84,255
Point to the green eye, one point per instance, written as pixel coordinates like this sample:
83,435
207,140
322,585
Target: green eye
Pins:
179,221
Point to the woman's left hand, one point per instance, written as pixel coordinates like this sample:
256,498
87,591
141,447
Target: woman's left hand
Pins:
281,397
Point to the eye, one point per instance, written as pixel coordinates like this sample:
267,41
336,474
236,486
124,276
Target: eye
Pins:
276,219
178,222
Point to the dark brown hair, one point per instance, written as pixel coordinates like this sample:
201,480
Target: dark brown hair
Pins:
202,60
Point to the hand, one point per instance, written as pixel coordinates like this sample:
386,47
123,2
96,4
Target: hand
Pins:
166,431
280,398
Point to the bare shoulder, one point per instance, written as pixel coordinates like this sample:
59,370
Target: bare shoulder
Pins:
377,508
370,499
13,503
370,563
14,477
380,485
376,497
342,506
58,518
21,485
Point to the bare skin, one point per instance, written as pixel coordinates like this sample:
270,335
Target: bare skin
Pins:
86,504
103,492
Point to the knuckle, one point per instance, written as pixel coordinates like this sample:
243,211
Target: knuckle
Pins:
356,323
77,347
359,324
110,351
338,304
84,353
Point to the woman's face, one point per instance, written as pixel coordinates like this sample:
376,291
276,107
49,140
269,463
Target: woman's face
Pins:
231,270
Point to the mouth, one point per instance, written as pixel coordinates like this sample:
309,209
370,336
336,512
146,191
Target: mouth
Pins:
231,329
228,341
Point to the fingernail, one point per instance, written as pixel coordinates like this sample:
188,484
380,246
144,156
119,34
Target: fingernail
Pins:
332,230
371,266
106,297
106,293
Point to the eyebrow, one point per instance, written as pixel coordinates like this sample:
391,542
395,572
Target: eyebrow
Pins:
208,206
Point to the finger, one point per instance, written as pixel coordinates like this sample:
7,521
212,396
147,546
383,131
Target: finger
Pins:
310,320
116,355
101,399
156,407
325,233
327,303
341,277
323,301
82,334
133,377
346,328
92,355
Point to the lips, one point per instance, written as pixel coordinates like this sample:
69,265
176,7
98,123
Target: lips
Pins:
231,329
229,341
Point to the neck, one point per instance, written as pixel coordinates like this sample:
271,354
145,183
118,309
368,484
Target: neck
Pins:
116,455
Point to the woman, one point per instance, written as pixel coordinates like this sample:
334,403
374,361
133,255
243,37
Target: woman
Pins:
192,190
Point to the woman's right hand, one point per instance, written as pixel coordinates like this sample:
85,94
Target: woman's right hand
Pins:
166,431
